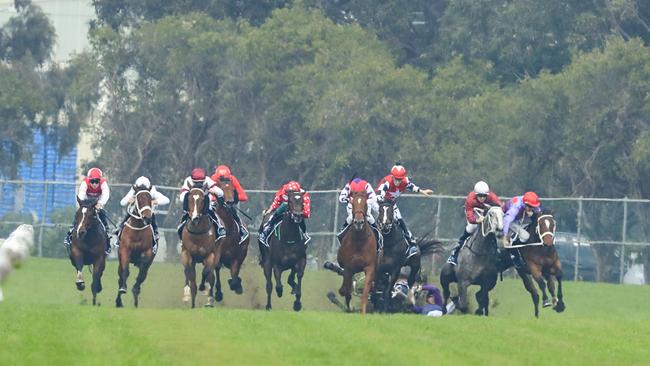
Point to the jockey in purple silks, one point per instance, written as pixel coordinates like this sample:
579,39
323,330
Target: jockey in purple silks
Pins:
518,212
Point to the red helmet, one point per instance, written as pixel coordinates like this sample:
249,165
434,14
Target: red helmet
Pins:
292,186
398,172
531,199
198,174
94,173
358,185
222,172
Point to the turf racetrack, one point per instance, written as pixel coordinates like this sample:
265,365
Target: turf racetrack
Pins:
45,320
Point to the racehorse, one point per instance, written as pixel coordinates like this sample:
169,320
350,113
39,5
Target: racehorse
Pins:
477,264
286,249
542,262
136,244
88,242
393,256
233,249
358,251
199,245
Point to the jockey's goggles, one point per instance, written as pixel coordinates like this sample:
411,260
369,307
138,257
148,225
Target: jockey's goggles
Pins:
94,181
481,195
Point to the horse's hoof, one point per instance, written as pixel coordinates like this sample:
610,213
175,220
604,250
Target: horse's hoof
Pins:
559,307
239,290
218,296
546,303
297,306
122,290
278,291
81,286
478,312
118,303
186,294
202,287
268,306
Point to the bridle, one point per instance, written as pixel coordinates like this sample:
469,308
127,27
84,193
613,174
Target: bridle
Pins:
135,211
548,219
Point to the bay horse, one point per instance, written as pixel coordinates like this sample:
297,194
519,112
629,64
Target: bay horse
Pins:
136,244
477,264
358,251
287,249
199,245
233,248
393,256
88,242
542,262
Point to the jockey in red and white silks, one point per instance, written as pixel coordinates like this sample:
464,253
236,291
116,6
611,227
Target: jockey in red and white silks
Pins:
198,179
359,185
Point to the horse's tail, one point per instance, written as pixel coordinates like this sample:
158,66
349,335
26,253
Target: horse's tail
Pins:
430,246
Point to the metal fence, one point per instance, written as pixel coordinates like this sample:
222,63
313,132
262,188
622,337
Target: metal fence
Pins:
598,239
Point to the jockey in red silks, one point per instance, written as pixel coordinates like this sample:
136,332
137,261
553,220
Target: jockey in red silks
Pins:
479,198
518,213
198,179
391,187
94,186
279,205
222,173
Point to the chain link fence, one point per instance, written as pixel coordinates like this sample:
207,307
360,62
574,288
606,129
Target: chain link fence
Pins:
598,239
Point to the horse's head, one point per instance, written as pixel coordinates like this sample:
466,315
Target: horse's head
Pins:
85,215
296,205
545,228
359,201
228,190
142,205
386,216
493,222
196,203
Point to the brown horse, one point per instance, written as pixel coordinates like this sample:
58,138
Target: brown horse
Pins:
233,249
542,262
199,245
286,249
358,251
136,244
88,242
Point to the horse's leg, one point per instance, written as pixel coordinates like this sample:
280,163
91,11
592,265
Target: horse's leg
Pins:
269,282
292,280
370,276
186,261
207,275
346,288
235,280
297,289
536,272
218,294
277,273
190,275
550,283
559,307
414,263
142,275
78,263
463,305
530,287
98,270
480,300
123,273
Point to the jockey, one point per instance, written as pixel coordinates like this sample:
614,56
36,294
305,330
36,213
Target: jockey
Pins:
279,205
359,185
391,187
518,214
222,173
198,179
157,198
433,305
480,197
94,186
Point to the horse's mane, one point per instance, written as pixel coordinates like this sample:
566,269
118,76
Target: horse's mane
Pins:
547,211
88,202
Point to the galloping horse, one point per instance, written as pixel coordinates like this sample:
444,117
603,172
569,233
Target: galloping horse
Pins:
287,250
199,245
542,262
136,244
87,246
233,249
477,264
358,251
394,255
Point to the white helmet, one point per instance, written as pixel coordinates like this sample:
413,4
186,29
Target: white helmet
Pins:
481,188
143,182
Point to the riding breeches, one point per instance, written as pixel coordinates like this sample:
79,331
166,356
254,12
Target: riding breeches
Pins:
471,228
517,230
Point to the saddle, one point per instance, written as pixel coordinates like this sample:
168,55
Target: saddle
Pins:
379,238
276,232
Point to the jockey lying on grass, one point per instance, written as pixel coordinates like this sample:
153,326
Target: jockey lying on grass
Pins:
279,206
518,215
198,179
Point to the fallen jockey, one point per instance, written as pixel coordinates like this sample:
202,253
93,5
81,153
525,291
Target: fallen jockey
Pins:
198,179
518,215
360,185
279,206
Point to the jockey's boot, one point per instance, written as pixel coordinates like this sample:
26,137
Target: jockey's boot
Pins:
68,238
186,216
453,257
413,245
108,247
516,259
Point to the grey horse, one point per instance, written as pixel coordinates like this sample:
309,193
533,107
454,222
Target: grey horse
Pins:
477,264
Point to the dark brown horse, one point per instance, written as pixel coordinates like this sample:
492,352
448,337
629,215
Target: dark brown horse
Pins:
136,244
542,262
199,246
233,249
287,250
358,251
393,256
88,242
